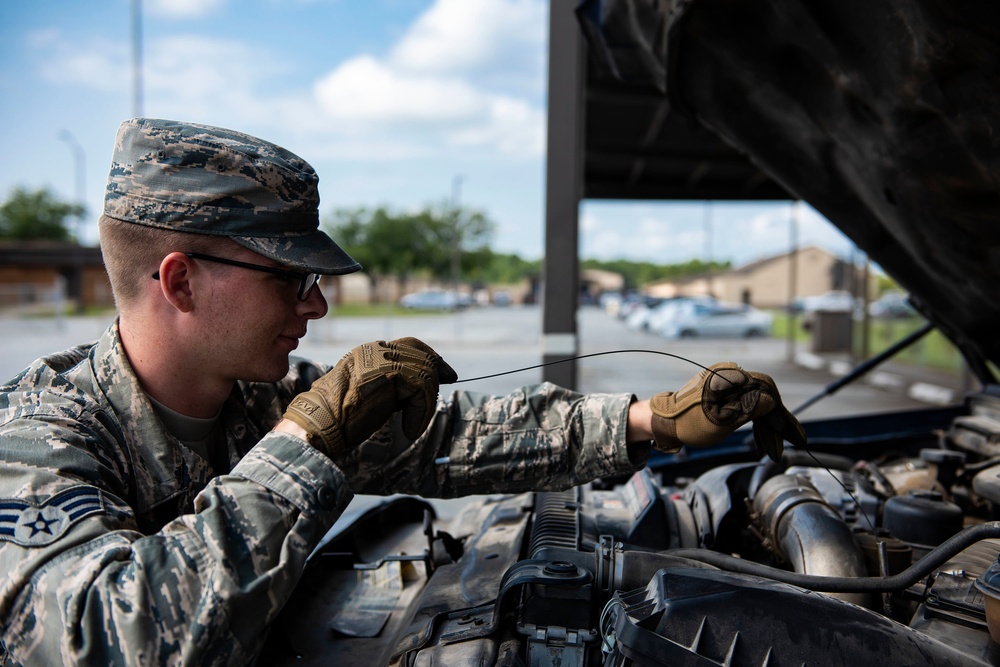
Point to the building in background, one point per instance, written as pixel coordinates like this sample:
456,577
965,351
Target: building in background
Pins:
42,274
767,283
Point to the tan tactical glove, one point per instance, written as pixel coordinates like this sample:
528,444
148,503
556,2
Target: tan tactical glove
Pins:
346,406
715,403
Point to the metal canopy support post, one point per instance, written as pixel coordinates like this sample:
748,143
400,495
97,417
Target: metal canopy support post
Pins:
563,192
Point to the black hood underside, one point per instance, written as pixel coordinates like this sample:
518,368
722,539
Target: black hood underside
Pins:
882,115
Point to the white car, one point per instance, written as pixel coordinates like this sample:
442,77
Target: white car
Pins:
719,319
638,316
892,304
433,300
662,316
834,301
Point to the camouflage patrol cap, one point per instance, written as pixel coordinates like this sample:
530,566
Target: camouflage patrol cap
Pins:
209,180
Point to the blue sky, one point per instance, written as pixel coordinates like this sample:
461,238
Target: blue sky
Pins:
394,102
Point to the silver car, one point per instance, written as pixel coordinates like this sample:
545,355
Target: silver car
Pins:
715,318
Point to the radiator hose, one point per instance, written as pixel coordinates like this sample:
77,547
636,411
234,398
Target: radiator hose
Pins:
897,582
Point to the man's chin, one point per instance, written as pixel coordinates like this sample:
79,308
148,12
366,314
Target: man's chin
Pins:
273,373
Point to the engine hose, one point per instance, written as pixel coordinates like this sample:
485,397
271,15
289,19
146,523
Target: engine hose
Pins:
767,468
919,570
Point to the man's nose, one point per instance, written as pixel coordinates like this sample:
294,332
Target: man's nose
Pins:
315,306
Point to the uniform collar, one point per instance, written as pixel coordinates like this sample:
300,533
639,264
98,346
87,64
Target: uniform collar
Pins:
161,470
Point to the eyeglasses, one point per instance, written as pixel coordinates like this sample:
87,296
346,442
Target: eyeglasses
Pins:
306,280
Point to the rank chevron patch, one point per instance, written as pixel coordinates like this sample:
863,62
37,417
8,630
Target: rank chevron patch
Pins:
32,525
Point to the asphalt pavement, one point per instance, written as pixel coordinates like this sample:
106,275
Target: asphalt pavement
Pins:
486,341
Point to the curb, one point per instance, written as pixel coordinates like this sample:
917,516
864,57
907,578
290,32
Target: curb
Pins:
924,392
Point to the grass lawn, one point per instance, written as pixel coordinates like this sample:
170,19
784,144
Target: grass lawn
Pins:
378,310
933,350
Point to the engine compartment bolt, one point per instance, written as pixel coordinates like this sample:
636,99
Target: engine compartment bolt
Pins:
560,568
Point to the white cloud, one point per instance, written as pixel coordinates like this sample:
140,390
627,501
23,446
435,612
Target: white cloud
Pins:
770,222
182,9
631,230
771,231
364,90
512,126
368,95
186,74
194,67
44,38
815,229
226,82
671,232
667,239
475,35
368,150
437,92
100,64
468,74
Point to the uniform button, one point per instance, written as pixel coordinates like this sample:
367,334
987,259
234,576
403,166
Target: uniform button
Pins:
326,497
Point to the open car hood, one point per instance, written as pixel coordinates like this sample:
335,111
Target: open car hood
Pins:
884,116
876,544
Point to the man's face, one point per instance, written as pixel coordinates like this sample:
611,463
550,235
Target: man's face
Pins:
252,320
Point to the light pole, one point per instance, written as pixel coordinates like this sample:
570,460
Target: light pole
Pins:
80,167
708,247
80,176
793,273
136,58
456,239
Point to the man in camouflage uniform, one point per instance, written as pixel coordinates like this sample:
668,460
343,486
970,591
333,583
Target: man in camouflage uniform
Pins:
161,488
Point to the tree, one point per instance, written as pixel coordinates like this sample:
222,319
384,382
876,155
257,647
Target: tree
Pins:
36,215
460,241
383,243
637,274
431,241
509,268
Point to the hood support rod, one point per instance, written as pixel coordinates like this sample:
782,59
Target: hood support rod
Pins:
867,365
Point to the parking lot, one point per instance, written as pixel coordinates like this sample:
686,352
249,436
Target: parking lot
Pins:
485,341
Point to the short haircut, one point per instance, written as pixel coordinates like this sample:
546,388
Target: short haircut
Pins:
132,253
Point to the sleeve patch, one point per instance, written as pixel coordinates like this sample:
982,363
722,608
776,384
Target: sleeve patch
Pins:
33,525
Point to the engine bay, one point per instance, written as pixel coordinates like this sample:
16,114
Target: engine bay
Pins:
878,544
824,558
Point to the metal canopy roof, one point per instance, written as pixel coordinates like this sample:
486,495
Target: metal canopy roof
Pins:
636,147
608,139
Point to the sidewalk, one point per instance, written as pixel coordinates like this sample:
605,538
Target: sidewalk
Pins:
920,383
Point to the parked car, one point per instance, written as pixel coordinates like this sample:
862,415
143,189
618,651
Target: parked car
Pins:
502,299
834,301
662,315
638,315
433,299
716,319
611,301
635,302
892,305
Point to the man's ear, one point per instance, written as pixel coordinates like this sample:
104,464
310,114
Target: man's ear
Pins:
175,281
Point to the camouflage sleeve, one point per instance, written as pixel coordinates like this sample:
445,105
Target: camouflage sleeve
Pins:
541,437
82,586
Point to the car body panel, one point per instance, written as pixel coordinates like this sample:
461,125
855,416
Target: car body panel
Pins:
433,300
715,319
